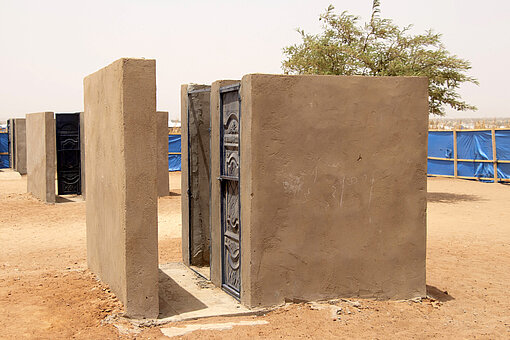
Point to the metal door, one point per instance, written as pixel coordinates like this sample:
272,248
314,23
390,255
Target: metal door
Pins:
199,241
230,113
68,153
10,142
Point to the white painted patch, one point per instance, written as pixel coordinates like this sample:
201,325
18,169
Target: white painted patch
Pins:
292,185
178,331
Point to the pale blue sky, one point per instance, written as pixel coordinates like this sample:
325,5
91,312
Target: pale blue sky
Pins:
48,47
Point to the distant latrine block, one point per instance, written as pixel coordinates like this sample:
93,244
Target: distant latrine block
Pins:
319,187
120,136
18,145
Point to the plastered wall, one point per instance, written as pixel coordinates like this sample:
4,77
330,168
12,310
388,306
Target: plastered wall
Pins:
195,176
21,146
333,187
41,158
162,151
18,149
120,154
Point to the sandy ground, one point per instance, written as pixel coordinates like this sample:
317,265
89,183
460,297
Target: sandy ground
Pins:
46,291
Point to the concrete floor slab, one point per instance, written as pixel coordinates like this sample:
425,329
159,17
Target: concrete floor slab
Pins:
185,295
7,174
179,331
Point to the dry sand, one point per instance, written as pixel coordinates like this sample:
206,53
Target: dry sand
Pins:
47,293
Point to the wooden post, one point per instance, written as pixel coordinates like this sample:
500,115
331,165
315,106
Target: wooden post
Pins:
494,158
455,152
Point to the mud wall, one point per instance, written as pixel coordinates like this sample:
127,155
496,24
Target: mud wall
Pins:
18,148
195,176
41,152
120,153
333,187
162,157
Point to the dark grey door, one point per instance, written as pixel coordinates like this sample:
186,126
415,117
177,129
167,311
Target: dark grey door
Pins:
68,153
10,143
230,113
198,127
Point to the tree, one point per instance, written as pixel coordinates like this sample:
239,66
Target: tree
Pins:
381,48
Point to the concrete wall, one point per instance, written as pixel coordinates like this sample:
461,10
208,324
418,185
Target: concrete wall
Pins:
162,158
41,155
17,146
215,207
20,146
333,187
195,175
120,154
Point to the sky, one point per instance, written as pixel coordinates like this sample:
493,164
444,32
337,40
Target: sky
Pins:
48,47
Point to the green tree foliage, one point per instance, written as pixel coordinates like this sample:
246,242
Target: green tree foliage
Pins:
381,48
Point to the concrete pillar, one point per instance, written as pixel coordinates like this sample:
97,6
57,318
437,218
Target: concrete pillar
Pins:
162,158
41,151
20,147
120,158
332,187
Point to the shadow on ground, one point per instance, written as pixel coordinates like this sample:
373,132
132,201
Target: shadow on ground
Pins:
446,197
174,299
438,294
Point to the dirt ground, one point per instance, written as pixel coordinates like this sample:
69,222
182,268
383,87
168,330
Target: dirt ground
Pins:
46,291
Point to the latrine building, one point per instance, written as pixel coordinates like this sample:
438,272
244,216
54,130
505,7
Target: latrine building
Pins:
294,187
53,149
317,186
17,144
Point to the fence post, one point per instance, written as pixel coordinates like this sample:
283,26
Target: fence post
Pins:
494,159
455,152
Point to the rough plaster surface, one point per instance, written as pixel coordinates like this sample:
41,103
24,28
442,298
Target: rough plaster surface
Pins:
195,146
162,157
18,149
333,187
215,205
41,155
120,153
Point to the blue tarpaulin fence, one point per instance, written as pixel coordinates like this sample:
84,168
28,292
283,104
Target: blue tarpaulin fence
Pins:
470,154
4,150
174,152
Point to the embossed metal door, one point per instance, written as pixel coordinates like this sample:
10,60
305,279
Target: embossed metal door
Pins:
68,153
230,113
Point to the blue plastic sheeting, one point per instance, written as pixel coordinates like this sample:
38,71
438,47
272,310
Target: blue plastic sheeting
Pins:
4,148
474,145
438,167
174,145
475,169
4,161
441,144
503,169
503,144
174,162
